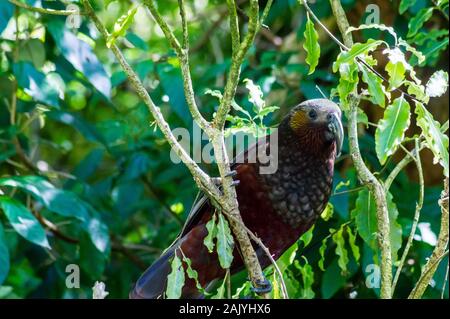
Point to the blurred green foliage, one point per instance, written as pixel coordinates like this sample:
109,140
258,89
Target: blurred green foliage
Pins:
84,171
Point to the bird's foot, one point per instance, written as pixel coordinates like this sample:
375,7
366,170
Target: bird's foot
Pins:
218,181
262,287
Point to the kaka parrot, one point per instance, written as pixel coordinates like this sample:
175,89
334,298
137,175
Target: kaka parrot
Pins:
277,207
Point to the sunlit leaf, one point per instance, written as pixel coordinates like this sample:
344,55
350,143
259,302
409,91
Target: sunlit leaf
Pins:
80,55
311,45
341,251
374,83
23,222
391,129
121,26
437,84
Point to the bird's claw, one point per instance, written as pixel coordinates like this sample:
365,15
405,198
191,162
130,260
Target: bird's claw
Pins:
232,173
218,181
262,287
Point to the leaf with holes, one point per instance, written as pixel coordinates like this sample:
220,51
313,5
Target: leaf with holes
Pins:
175,280
225,242
391,129
311,45
353,246
341,251
212,232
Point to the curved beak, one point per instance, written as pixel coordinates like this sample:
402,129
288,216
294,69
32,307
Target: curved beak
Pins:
335,127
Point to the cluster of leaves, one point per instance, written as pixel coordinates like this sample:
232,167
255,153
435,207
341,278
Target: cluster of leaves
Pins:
85,180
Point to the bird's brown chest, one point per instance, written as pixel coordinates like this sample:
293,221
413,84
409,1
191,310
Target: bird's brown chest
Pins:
279,207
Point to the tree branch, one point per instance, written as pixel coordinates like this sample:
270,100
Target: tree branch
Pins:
239,53
44,10
228,200
364,174
439,251
201,178
183,57
419,206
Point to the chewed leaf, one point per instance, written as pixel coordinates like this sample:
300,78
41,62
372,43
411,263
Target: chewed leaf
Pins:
225,243
121,26
311,45
212,232
175,280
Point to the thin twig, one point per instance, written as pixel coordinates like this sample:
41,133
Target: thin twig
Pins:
419,206
266,250
45,10
439,250
364,174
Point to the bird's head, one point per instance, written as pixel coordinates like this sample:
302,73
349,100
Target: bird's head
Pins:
318,123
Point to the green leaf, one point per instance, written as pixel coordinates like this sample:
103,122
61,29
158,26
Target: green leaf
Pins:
348,82
121,26
396,72
405,4
225,243
220,294
311,45
35,84
307,236
417,22
64,203
212,232
80,55
56,200
23,222
307,275
365,215
374,83
4,256
391,129
175,280
381,27
417,90
419,55
322,250
32,50
192,273
357,50
436,140
341,251
353,246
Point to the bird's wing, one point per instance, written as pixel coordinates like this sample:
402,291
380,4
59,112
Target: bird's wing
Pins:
202,202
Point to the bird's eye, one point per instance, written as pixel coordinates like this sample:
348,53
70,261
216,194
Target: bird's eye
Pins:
312,114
